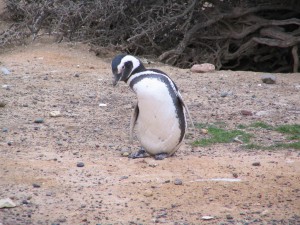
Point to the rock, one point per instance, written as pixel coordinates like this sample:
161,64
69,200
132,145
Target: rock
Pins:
5,71
125,154
203,68
102,105
80,164
36,185
9,143
268,79
55,114
246,113
177,181
7,203
265,213
76,75
148,193
229,217
204,131
224,94
207,217
39,120
256,164
6,86
5,130
2,104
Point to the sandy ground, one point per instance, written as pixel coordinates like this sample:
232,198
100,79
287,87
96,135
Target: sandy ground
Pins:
38,161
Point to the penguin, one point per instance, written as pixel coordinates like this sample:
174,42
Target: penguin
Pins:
159,116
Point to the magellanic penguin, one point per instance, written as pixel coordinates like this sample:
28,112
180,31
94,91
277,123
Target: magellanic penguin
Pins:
160,113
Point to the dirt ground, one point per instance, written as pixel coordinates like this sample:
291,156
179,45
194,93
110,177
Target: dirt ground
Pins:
38,161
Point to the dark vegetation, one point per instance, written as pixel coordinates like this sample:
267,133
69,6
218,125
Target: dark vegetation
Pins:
257,35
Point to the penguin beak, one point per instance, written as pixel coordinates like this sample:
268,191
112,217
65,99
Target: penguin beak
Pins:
117,79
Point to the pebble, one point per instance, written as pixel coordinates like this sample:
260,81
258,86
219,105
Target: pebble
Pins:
207,217
204,131
39,120
76,75
203,68
80,164
229,217
148,193
5,71
55,114
2,104
224,94
246,113
268,79
178,181
5,130
7,203
256,164
102,105
6,86
10,143
125,154
36,185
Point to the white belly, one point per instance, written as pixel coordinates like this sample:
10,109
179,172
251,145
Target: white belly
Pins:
158,128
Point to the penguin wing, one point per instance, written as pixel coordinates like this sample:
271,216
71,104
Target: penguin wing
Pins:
133,120
186,109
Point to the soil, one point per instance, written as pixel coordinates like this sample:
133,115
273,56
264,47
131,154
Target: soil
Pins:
38,161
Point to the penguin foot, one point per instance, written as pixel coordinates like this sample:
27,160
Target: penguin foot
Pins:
139,154
161,156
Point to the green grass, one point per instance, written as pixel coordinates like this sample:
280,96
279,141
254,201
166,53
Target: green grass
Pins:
220,135
260,124
292,130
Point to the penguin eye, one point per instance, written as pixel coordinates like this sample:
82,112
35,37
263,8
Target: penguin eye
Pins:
123,67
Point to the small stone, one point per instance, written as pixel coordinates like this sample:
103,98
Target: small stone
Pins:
204,131
10,143
256,164
178,181
203,68
125,154
5,130
7,203
268,79
5,71
235,175
2,104
246,113
102,105
25,202
224,94
76,75
80,164
55,114
207,217
36,185
6,86
265,213
229,217
39,120
148,193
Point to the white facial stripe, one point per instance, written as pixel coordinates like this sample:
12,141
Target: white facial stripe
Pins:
152,72
128,58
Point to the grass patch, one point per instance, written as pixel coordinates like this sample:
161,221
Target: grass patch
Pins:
220,135
260,124
292,130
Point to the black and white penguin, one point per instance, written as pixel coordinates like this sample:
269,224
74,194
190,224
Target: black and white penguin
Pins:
160,113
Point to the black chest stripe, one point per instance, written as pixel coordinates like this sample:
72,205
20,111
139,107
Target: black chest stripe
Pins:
177,103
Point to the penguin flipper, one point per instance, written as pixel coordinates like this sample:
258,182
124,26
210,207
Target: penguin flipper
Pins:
133,120
187,110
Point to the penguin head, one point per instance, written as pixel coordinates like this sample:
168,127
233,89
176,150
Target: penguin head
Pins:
123,66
